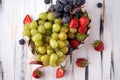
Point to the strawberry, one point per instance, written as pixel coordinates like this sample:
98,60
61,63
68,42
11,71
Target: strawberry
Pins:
37,74
74,23
82,30
81,62
84,21
27,19
74,43
98,45
60,72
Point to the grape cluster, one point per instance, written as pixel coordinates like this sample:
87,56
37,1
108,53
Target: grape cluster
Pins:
49,38
62,9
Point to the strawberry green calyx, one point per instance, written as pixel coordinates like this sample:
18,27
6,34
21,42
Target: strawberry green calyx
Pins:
62,67
84,63
80,37
96,43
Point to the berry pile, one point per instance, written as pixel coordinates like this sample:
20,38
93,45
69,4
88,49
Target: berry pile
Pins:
64,8
57,32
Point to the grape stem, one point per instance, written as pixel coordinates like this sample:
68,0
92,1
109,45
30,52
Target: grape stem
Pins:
76,9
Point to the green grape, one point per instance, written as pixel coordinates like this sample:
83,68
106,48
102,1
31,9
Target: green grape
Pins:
42,50
71,35
38,43
58,21
56,27
60,60
53,58
64,29
73,30
62,36
41,22
45,59
33,32
67,25
38,57
50,16
61,43
59,53
66,42
64,50
53,43
47,39
37,37
41,29
26,33
50,51
26,27
53,64
33,25
55,36
43,16
48,25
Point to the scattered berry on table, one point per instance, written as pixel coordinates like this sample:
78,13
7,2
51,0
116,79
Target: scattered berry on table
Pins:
81,62
37,74
22,41
47,1
99,5
98,45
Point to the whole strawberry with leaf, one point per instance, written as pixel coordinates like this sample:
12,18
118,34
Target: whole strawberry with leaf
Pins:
37,73
60,72
81,62
98,45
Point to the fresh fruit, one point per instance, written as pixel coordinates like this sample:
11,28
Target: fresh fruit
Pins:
81,62
22,41
33,25
74,43
48,25
43,16
80,37
73,30
27,19
50,16
84,21
62,36
54,36
37,37
98,45
99,5
60,72
67,8
42,50
53,59
56,27
41,29
33,32
79,2
82,30
65,19
26,33
53,43
52,7
45,59
47,1
58,21
38,57
37,74
74,23
57,14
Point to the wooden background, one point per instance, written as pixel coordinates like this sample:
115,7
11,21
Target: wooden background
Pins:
14,57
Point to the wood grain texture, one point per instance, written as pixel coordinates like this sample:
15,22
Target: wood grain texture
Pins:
15,58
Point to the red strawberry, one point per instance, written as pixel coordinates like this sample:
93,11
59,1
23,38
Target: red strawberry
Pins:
37,74
84,21
81,62
74,23
27,19
60,72
82,30
74,43
98,45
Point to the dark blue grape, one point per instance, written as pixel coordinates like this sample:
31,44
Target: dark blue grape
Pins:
46,1
67,8
65,19
21,41
57,14
66,14
64,2
59,7
58,2
52,8
79,2
78,13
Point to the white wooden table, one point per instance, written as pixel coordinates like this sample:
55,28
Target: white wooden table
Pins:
14,56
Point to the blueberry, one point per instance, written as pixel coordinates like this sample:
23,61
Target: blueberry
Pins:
64,2
52,8
65,19
59,7
79,2
67,8
21,41
57,14
58,2
99,5
66,14
47,1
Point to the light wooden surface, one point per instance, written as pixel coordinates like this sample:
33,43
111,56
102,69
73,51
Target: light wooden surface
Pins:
14,57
